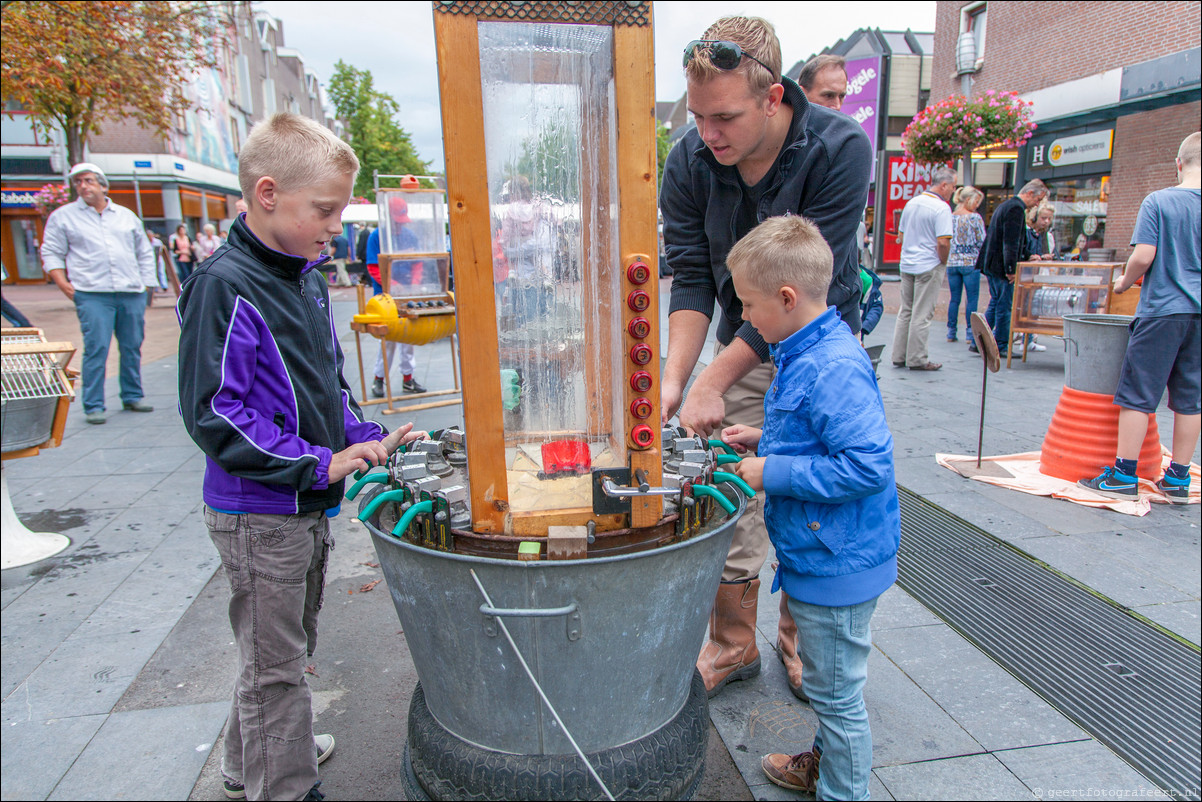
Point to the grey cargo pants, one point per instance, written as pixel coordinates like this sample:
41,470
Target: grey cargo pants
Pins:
276,569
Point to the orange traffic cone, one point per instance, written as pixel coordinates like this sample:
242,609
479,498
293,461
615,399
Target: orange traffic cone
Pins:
1083,438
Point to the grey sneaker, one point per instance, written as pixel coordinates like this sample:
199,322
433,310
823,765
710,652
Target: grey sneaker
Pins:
412,386
96,417
377,388
325,748
137,406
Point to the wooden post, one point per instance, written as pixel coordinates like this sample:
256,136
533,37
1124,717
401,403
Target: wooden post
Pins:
458,49
634,85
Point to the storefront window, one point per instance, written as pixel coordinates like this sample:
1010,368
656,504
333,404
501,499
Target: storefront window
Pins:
25,248
1080,222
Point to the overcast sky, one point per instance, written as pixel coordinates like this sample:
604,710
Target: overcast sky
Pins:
395,41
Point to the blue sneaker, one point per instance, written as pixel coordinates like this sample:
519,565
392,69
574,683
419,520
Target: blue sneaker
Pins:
1174,489
1113,484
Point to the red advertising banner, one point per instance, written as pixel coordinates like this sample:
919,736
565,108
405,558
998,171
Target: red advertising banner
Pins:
905,180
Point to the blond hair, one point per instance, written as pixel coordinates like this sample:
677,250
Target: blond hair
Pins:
966,194
1038,209
784,251
1190,151
295,151
756,37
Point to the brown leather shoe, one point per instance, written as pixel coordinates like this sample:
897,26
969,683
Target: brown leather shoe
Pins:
796,772
786,648
730,653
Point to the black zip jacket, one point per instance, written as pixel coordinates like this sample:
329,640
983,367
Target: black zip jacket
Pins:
823,175
260,380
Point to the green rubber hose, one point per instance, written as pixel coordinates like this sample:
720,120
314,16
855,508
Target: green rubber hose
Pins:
737,481
717,495
411,513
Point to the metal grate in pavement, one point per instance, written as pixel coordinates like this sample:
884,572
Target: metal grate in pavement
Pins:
1125,682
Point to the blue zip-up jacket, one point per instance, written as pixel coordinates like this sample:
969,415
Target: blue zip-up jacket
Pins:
260,380
831,506
823,176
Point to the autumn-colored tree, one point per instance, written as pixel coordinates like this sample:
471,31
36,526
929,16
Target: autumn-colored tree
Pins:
72,66
377,138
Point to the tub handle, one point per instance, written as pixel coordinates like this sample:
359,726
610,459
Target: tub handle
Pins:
575,632
1067,340
537,612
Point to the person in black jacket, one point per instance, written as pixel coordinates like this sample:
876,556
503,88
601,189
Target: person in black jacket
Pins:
760,149
1006,246
261,392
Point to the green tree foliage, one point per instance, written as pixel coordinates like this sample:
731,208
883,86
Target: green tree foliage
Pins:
370,116
72,65
663,144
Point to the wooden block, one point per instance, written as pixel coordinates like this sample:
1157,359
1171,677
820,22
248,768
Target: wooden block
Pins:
567,542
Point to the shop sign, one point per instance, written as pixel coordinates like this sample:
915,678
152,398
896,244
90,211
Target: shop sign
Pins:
1066,150
17,198
863,98
906,180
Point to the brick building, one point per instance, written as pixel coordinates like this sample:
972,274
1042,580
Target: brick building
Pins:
189,176
1116,86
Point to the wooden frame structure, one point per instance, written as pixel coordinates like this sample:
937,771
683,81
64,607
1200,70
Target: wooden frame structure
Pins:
1035,276
456,28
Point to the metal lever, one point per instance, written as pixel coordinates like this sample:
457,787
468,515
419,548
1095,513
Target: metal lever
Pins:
615,490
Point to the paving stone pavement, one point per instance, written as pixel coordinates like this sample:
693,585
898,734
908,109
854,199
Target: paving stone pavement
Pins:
117,658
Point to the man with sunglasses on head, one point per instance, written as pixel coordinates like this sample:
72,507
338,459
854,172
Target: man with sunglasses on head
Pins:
760,149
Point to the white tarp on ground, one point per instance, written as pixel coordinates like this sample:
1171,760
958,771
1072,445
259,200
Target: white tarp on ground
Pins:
1021,472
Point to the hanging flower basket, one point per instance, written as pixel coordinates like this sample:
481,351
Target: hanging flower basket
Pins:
50,197
946,131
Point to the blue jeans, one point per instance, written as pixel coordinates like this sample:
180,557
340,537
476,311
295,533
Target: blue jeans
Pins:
968,278
1001,295
833,644
101,315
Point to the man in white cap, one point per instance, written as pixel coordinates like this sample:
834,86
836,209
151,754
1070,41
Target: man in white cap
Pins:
98,255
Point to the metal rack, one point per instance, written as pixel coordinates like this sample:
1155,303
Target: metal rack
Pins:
36,390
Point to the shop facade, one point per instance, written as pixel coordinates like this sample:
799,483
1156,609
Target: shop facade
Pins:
188,176
1110,115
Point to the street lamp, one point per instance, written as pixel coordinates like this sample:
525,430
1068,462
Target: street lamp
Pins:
966,65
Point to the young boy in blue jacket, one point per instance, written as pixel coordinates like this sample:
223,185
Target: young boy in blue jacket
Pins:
826,465
261,392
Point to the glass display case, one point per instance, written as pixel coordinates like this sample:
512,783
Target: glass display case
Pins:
1044,292
413,241
552,225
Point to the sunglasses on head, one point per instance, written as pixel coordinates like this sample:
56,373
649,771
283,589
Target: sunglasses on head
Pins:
723,55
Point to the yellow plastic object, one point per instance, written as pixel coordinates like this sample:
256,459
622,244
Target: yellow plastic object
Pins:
382,310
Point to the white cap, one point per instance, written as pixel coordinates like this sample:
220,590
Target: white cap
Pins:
87,167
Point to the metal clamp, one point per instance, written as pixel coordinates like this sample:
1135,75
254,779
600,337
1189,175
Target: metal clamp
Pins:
572,611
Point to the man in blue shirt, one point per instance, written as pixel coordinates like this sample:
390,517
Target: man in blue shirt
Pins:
1166,337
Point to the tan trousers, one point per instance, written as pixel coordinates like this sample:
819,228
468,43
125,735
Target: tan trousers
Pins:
918,296
745,405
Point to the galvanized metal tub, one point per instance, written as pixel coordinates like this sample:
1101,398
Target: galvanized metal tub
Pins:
26,422
612,641
1094,347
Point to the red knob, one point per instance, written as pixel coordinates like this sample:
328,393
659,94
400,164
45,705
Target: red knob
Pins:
638,273
640,381
642,436
641,354
638,327
638,300
640,408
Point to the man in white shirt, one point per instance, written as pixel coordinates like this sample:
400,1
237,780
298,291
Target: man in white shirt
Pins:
97,253
925,233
